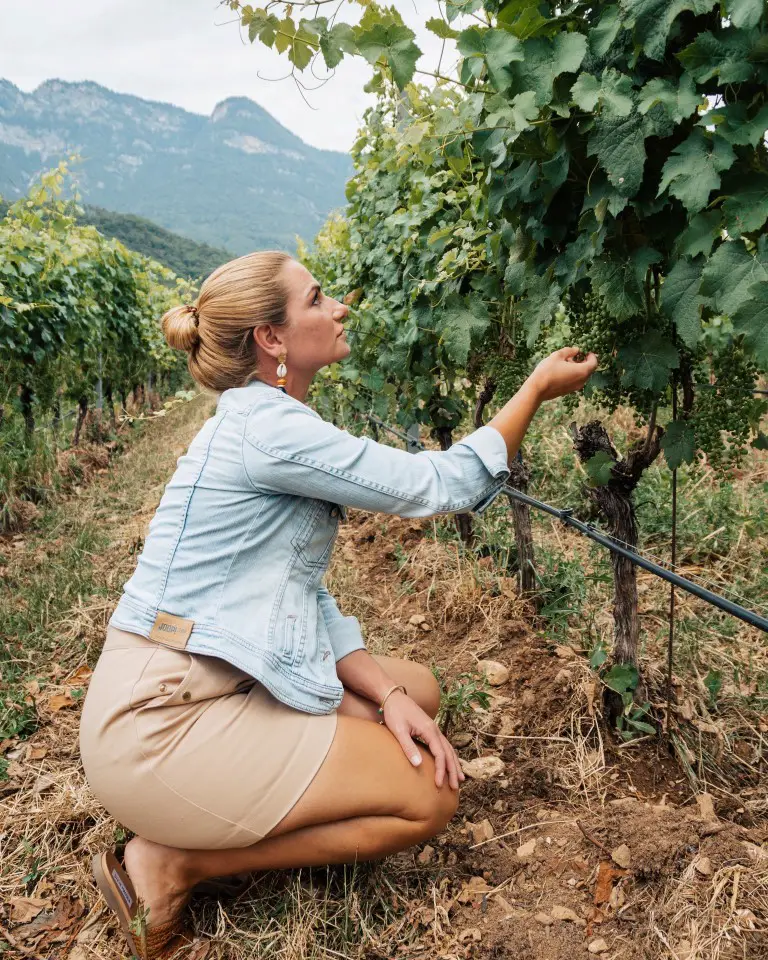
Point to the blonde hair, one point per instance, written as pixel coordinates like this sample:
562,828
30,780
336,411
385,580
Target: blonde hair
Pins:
216,330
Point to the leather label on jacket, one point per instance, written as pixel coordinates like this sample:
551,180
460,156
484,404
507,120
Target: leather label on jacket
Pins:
171,631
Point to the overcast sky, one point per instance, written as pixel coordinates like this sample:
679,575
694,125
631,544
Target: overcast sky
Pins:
192,53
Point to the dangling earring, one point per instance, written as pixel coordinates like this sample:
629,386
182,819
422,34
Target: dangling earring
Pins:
282,370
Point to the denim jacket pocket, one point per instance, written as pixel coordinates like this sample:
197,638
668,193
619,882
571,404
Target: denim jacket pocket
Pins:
315,536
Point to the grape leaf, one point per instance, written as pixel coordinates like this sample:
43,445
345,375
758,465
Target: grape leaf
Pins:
599,469
730,272
602,36
622,677
745,13
699,235
678,101
678,443
441,29
751,319
693,169
734,125
537,308
747,210
725,56
620,282
681,301
648,362
498,48
652,20
613,91
545,60
460,321
394,42
620,148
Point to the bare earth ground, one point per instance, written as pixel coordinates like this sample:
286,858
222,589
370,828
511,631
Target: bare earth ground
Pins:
575,845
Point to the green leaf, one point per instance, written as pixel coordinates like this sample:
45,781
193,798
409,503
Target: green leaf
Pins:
335,43
729,274
679,101
441,29
620,148
725,57
733,123
747,210
653,19
761,441
586,91
605,32
522,18
622,677
620,282
498,48
599,469
460,322
751,319
678,443
681,300
538,307
545,60
395,43
598,656
648,362
699,235
745,13
613,91
501,49
693,169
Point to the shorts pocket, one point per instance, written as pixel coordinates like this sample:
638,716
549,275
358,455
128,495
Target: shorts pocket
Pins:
165,679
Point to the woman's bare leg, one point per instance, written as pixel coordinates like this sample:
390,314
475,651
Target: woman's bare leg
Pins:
366,801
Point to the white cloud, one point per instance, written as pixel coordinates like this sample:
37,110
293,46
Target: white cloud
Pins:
191,53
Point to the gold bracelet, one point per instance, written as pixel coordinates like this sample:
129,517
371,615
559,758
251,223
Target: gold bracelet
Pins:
397,686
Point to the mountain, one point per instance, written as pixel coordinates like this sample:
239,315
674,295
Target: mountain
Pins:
237,179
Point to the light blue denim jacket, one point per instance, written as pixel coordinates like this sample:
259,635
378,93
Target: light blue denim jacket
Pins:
244,531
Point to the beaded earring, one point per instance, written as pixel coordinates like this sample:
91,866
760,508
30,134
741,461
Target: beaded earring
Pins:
282,370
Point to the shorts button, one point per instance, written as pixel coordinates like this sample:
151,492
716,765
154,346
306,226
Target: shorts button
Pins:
186,695
163,688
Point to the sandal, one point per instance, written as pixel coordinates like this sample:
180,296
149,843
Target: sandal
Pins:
159,942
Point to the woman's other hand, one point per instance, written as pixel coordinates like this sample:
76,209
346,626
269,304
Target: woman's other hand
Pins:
560,373
405,719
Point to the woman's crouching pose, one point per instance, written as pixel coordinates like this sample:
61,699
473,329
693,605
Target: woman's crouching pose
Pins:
231,721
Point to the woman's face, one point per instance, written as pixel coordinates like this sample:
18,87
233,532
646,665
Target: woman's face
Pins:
314,334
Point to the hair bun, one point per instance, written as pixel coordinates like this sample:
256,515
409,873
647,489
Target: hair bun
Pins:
180,327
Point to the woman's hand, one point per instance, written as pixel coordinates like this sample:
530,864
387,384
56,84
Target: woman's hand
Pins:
560,374
405,718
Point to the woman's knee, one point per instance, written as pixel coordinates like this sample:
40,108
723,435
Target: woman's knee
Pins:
425,689
436,806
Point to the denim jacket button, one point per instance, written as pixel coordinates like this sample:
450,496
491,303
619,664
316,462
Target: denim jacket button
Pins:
334,511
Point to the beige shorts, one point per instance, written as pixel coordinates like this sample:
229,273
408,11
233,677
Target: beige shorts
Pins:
189,751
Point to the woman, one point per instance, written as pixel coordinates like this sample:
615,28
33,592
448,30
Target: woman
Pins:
228,720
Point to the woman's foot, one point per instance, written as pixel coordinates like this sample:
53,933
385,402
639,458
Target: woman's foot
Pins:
159,877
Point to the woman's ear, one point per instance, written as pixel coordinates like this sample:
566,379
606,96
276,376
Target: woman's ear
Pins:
266,339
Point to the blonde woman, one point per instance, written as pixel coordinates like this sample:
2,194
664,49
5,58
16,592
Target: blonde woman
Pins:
235,721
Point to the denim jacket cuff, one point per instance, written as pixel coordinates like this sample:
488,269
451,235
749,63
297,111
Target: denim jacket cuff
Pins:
491,447
345,636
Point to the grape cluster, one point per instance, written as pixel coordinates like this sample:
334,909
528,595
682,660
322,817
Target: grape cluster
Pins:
509,373
725,413
592,327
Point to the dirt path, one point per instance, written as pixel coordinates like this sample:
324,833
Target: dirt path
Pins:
567,843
